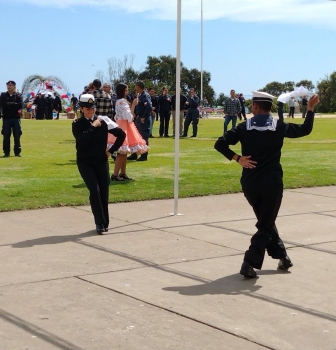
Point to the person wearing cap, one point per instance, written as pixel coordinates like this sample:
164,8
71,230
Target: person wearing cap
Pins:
92,158
261,138
11,105
192,113
232,109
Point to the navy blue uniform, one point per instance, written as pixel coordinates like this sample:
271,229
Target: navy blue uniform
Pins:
11,104
164,105
192,115
262,137
92,163
143,112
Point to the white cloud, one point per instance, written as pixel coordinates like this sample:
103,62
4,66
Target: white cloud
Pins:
310,12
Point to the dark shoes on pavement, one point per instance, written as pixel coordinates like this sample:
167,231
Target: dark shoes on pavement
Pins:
285,263
100,229
247,270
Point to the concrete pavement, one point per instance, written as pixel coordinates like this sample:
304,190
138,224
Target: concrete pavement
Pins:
157,281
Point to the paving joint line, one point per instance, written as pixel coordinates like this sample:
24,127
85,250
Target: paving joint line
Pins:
179,314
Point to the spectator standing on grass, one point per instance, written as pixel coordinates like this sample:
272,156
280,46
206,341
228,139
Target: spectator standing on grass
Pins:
142,112
280,110
164,107
133,143
42,105
304,106
232,108
261,138
178,115
11,106
154,113
92,158
107,89
242,106
74,101
192,116
50,105
291,104
57,105
103,100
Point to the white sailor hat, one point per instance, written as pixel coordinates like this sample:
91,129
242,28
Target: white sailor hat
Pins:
87,100
262,96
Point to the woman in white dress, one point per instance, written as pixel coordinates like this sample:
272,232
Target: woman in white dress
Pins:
133,143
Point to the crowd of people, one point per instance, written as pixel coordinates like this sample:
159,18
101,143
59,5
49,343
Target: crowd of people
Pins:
121,126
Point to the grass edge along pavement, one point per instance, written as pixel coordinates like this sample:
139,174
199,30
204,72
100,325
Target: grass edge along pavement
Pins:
46,175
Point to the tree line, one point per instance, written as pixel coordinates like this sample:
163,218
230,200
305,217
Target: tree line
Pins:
161,71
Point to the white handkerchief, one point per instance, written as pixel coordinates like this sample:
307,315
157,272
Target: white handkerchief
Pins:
110,123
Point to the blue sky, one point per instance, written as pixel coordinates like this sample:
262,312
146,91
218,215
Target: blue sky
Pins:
247,43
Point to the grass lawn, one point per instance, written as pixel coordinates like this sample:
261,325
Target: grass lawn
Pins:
46,175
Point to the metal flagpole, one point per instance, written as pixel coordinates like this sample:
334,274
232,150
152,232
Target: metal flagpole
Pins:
177,107
201,102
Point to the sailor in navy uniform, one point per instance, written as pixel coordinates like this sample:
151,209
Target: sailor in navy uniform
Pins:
92,157
261,139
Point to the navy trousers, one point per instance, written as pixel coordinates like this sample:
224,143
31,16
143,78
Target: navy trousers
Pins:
9,125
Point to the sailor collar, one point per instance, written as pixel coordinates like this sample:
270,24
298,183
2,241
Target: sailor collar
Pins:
261,122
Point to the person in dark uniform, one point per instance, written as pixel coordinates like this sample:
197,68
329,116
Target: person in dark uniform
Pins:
143,112
242,112
92,157
41,104
280,110
154,113
74,101
261,139
178,115
304,106
192,114
11,105
164,106
57,105
50,105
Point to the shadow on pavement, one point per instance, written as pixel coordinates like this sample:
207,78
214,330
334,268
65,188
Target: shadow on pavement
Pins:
232,284
53,240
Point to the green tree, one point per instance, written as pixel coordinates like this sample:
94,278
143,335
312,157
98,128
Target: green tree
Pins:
289,86
221,99
326,88
306,83
161,71
274,88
